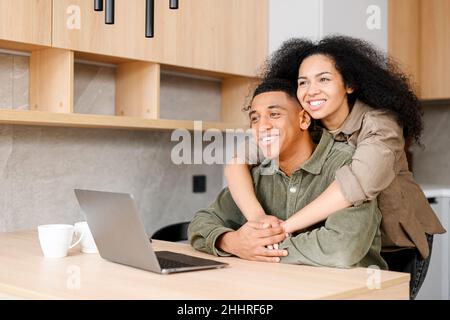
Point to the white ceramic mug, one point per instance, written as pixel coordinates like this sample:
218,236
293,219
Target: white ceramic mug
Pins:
56,239
87,243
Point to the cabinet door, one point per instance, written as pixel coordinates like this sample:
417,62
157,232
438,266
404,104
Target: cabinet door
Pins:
422,48
226,36
28,21
404,37
435,49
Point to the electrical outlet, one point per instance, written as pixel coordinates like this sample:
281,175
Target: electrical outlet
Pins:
199,184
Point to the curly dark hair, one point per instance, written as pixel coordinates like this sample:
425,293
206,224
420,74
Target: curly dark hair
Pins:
375,77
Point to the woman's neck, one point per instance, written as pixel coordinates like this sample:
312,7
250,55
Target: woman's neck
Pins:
335,120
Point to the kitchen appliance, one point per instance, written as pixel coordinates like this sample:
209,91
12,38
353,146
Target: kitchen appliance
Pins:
437,282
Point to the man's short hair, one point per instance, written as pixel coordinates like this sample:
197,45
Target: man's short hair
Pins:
275,84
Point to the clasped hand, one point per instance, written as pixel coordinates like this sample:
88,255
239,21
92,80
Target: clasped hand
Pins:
267,221
255,240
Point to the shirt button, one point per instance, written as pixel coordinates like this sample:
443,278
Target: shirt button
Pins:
293,190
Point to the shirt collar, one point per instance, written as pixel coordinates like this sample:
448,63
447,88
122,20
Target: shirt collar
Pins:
353,121
315,162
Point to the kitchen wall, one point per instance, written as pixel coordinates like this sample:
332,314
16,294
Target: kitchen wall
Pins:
40,166
431,163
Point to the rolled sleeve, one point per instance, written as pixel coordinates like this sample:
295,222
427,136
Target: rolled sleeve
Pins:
210,223
203,232
374,163
212,239
349,185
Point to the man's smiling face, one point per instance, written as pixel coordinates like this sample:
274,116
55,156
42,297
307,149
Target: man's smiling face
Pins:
275,121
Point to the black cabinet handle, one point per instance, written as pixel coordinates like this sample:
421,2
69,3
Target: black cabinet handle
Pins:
109,11
98,5
173,4
149,18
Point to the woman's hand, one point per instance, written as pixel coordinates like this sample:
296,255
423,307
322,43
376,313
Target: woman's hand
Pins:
251,240
268,221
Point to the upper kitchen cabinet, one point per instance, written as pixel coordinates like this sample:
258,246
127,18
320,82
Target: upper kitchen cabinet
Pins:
224,36
419,37
435,49
26,21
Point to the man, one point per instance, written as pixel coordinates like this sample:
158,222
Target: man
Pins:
349,238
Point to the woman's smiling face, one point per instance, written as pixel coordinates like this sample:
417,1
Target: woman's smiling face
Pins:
322,92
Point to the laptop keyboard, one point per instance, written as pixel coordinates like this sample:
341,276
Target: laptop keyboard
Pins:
171,264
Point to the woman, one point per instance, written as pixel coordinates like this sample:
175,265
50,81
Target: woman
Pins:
362,99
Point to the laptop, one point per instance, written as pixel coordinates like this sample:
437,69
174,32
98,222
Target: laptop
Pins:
120,236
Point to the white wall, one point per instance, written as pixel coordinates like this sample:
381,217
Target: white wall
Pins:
366,19
293,18
314,19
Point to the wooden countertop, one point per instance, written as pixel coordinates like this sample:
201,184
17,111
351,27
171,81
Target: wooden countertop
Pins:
25,273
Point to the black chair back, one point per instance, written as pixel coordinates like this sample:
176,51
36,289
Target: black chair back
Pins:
173,232
409,260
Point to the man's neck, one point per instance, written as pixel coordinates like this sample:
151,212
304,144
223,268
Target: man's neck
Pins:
296,155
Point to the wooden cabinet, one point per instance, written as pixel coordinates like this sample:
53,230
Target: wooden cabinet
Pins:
224,39
404,37
435,49
419,38
213,35
27,21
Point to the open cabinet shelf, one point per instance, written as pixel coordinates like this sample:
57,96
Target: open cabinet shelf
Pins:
45,118
137,94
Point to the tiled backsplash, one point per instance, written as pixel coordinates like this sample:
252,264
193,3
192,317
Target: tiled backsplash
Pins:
13,82
178,102
40,166
94,89
431,163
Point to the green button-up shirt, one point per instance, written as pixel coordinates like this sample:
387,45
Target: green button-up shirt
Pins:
348,238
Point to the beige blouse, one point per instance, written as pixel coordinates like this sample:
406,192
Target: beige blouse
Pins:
379,168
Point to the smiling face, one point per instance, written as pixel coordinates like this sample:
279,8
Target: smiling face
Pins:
322,92
277,121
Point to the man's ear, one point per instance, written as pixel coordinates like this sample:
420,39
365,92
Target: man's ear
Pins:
304,120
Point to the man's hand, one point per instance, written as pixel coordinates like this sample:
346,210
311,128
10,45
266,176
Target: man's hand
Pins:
251,240
267,221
